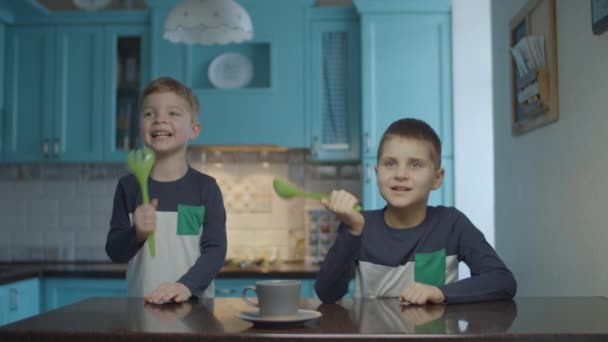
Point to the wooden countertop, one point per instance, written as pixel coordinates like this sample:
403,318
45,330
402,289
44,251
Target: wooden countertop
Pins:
10,272
129,319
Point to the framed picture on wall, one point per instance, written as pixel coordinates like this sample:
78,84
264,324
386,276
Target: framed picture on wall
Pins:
599,16
534,79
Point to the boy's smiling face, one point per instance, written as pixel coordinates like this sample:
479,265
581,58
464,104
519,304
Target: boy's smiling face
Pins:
407,172
167,123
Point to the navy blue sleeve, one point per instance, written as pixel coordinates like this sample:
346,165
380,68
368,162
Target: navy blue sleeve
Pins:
490,278
213,243
338,266
121,243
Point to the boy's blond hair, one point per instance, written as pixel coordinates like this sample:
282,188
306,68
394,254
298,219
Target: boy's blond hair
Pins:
168,84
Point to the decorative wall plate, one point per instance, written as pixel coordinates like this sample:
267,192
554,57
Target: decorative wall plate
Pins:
230,70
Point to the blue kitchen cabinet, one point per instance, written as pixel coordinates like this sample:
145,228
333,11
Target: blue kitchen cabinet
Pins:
406,72
335,85
23,299
28,93
53,107
58,292
2,30
271,109
3,305
232,287
5,17
19,300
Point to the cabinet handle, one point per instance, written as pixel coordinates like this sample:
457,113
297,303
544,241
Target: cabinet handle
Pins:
368,143
14,299
45,148
56,148
315,146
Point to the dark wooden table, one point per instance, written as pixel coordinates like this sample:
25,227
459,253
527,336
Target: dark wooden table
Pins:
129,319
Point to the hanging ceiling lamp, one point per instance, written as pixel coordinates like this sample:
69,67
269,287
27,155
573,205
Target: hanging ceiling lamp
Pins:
208,22
91,5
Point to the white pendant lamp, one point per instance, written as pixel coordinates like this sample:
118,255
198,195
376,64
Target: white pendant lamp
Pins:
91,5
208,22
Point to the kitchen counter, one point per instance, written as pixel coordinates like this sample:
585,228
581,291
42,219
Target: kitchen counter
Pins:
129,319
10,272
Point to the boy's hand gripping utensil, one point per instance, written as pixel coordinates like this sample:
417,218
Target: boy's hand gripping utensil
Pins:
285,190
140,162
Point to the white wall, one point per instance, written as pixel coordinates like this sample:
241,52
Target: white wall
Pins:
472,93
551,185
472,110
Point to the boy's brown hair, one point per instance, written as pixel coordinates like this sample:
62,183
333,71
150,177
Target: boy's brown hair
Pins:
168,84
413,129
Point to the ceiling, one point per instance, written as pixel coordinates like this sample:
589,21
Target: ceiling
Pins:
67,5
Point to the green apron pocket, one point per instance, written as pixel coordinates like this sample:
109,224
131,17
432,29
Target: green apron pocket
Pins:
430,268
189,219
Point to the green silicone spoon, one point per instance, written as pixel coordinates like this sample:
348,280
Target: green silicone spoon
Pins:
287,191
140,162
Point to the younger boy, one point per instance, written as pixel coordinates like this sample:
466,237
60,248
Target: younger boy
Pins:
186,213
408,249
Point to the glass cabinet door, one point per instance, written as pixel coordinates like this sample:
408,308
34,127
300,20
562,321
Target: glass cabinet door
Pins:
127,92
126,46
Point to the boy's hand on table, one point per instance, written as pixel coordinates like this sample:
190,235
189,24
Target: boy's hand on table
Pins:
145,219
418,293
342,203
169,292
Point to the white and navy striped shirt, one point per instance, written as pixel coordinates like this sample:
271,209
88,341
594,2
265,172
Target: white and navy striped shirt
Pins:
190,234
385,260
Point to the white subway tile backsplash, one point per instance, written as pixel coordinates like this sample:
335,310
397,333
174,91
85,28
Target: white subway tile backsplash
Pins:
41,223
74,222
12,207
25,190
61,237
62,189
96,189
42,214
28,238
102,206
42,207
12,223
75,206
91,238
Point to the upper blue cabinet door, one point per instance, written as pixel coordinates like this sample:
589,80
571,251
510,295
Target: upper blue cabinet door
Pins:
28,130
53,102
77,92
2,67
335,99
406,69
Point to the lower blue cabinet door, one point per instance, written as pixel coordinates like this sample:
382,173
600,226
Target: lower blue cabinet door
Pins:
58,292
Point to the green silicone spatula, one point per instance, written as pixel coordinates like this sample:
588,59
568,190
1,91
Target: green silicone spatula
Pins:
285,190
140,162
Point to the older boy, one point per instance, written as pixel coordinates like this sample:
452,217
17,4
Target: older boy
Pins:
186,212
408,249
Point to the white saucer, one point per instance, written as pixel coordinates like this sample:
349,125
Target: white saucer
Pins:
301,317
